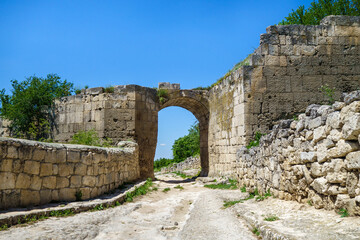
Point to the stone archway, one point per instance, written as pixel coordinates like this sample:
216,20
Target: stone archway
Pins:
195,101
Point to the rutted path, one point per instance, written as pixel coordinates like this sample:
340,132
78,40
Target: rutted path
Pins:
194,212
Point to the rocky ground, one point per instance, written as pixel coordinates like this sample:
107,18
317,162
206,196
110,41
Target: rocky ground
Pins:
194,212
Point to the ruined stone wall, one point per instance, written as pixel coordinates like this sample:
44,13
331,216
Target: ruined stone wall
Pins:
111,115
284,77
33,173
315,159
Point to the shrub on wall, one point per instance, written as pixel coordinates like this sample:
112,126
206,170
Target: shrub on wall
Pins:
320,9
90,138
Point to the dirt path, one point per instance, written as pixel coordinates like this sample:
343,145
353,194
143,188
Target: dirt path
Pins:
193,212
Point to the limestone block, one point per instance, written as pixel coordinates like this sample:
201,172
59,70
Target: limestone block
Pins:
319,134
89,181
335,135
45,196
353,160
75,181
314,123
36,183
32,167
39,154
342,201
12,152
49,182
316,170
65,169
73,156
336,177
337,106
80,169
352,183
300,125
46,169
342,148
333,120
351,128
306,157
23,181
309,135
320,185
29,198
7,180
67,194
6,165
62,182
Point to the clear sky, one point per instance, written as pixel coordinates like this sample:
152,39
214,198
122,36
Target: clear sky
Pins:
102,43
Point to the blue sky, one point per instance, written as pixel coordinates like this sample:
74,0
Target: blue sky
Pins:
102,43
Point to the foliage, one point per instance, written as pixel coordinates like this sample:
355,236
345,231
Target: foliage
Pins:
320,9
4,227
109,89
271,218
166,189
188,145
162,95
62,213
243,189
230,203
179,187
162,162
256,141
343,212
231,185
78,195
256,231
77,91
184,176
142,190
30,106
90,138
328,92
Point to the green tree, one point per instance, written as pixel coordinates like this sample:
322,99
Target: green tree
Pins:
188,145
320,9
30,106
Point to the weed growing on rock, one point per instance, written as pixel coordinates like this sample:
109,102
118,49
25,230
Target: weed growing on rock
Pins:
109,89
310,202
243,189
179,187
62,213
78,195
256,232
162,94
231,185
231,203
328,92
142,190
4,227
166,189
271,218
256,141
343,212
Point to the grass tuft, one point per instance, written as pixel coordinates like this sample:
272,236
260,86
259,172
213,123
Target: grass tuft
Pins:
343,212
271,218
231,185
179,187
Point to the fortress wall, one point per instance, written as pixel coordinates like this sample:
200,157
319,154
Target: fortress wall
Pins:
33,173
314,160
284,77
112,115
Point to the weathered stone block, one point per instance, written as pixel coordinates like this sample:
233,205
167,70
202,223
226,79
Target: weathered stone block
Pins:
67,194
65,169
29,198
6,165
46,169
7,180
89,181
320,185
75,181
342,148
351,128
49,182
353,160
32,167
36,183
80,169
306,157
62,182
23,181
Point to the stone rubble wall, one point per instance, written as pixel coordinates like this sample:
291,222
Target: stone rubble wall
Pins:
315,159
34,173
189,163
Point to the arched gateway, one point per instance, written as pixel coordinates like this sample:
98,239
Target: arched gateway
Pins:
196,101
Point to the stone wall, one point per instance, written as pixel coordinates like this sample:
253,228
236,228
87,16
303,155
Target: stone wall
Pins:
315,159
187,164
284,77
33,173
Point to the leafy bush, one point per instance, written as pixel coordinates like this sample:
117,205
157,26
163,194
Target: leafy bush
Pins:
30,107
328,92
256,141
90,138
320,9
162,95
109,89
162,162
